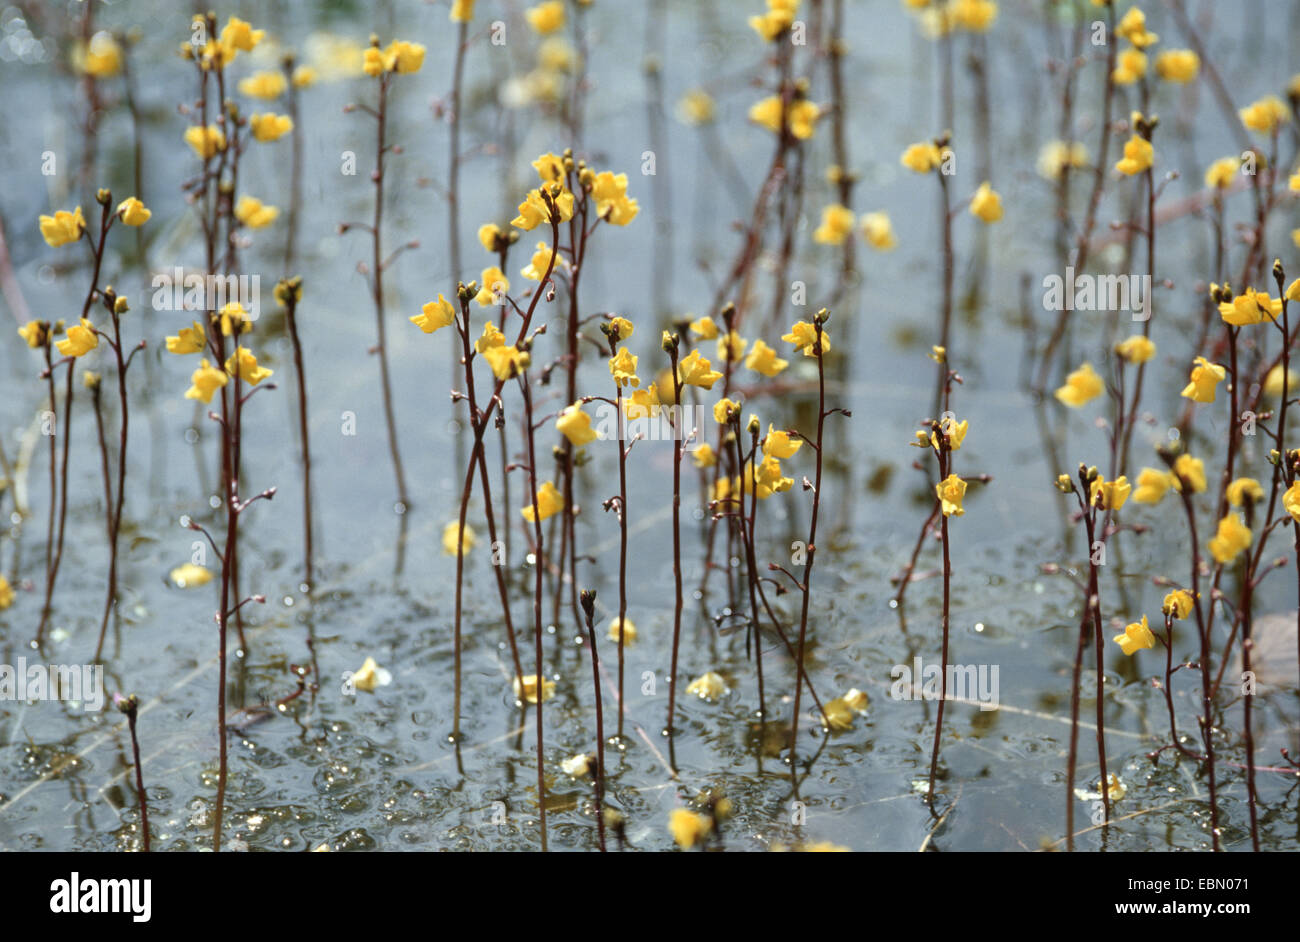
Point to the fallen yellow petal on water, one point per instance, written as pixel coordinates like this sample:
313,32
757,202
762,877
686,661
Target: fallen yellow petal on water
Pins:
190,576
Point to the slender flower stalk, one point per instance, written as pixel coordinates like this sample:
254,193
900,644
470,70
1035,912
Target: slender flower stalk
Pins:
130,707
589,608
289,293
672,346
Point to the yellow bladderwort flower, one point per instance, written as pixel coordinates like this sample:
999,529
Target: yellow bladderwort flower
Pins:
950,491
373,63
974,16
801,115
206,380
955,432
462,11
1191,470
575,425
779,444
81,339
270,127
688,828
255,214
133,212
455,543
404,57
731,347
265,85
1152,485
495,285
622,366
763,359
1205,377
1057,156
1131,66
642,403
1232,537
1081,387
1178,65
1139,155
1273,381
724,410
190,576
986,204
526,688
696,108
836,225
237,34
922,157
533,211
769,479
304,77
695,370
1293,184
1242,490
1266,114
206,141
1291,501
546,17
878,231
1250,307
63,227
1110,495
249,371
491,337
507,362
1136,349
705,328
708,686
620,328
704,456
540,262
488,233
6,594
234,319
35,333
549,502
550,169
628,632
778,18
100,58
612,202
1133,27
1219,175
435,315
187,340
803,336
1136,636
1178,603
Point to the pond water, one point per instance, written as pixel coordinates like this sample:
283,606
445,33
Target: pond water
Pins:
376,770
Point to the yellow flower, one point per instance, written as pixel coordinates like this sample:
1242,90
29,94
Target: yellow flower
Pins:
491,337
703,456
370,676
777,19
1293,291
1138,156
803,336
1232,537
1110,495
955,432
1178,65
622,367
264,85
575,425
1133,27
373,63
255,214
63,227
878,231
975,16
695,370
769,479
688,828
1081,386
304,76
190,576
495,285
922,157
1219,175
527,690
1191,470
1136,636
950,492
237,34
6,594
612,202
249,371
704,328
540,262
435,315
628,632
708,686
405,57
1057,156
533,211
1252,307
724,410
81,340
1273,381
1136,349
620,328
1152,485
1205,377
642,403
206,380
1244,489
549,501
546,17
986,203
187,340
100,58
801,115
836,715
454,543
763,359
506,362
837,225
234,318
696,107
1291,501
462,11
206,141
1266,114
779,444
270,127
35,333
133,212
1178,603
731,347
488,233
1132,65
